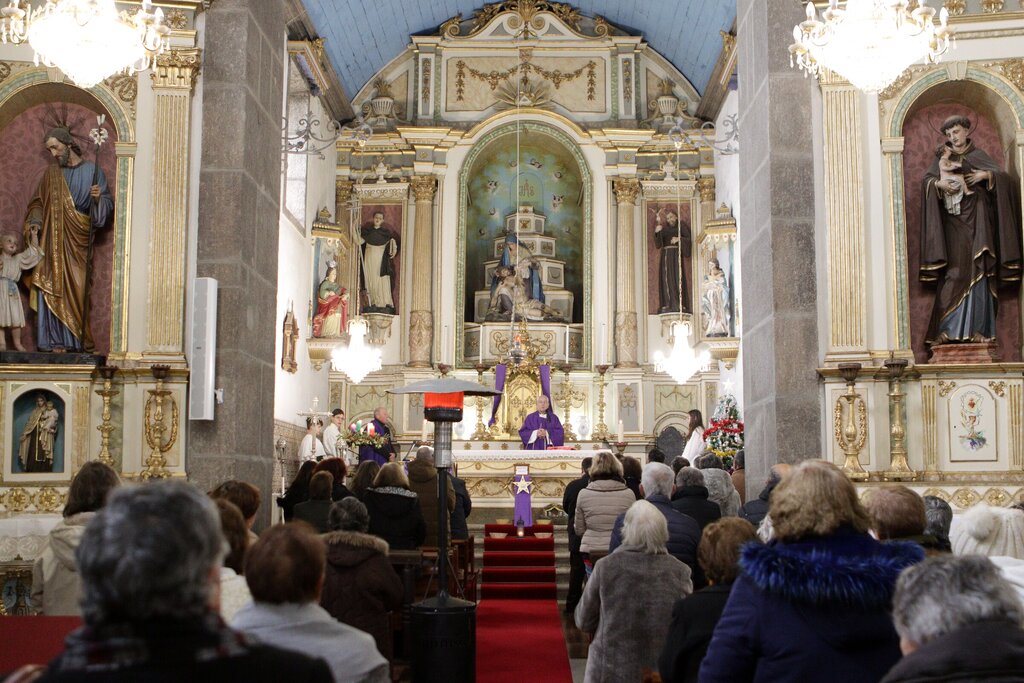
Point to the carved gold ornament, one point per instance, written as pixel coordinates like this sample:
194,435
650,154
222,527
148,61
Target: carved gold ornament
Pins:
945,387
998,388
17,500
494,78
997,498
964,498
955,7
48,499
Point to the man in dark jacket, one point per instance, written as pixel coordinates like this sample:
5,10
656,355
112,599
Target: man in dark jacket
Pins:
754,511
423,482
576,569
463,506
691,497
683,531
958,620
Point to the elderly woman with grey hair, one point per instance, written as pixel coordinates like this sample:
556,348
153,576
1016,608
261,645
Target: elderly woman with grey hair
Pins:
150,567
722,491
361,587
628,600
958,620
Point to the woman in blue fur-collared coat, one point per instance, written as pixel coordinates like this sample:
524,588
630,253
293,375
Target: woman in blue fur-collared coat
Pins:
813,605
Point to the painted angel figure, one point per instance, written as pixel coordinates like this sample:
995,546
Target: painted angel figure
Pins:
715,301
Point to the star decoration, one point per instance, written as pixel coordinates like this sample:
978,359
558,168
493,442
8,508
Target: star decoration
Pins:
523,485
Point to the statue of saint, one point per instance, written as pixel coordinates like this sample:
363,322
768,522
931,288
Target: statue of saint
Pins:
510,297
38,437
970,238
331,314
380,246
715,301
668,239
72,201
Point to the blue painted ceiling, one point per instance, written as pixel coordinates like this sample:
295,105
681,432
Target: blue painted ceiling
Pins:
364,36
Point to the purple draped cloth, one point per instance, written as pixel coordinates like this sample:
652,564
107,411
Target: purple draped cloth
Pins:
382,454
523,499
548,421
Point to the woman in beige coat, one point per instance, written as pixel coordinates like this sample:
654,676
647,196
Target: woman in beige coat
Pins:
604,499
55,582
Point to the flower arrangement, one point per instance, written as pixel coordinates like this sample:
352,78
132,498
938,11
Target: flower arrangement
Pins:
724,435
365,434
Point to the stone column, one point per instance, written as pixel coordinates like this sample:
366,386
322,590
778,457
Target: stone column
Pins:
778,251
174,77
844,197
348,266
421,322
240,178
626,191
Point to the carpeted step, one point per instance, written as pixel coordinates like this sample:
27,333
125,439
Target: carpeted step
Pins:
519,574
530,558
514,544
519,591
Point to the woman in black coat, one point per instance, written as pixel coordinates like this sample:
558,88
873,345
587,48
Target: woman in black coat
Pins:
298,492
694,617
395,513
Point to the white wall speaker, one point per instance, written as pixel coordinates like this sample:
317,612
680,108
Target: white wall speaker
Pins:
204,349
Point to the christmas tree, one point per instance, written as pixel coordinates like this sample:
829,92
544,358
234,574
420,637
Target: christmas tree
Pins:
724,434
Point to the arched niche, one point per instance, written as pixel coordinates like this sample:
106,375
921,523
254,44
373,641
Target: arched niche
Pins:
24,101
996,109
555,171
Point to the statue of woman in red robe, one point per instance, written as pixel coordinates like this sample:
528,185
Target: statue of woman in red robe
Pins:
331,315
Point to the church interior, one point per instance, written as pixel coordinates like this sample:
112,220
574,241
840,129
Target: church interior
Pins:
245,242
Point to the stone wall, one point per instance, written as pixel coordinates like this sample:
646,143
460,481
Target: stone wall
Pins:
239,205
778,251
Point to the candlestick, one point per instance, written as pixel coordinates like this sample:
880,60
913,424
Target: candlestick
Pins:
601,429
851,436
567,396
107,392
156,463
481,432
620,435
899,469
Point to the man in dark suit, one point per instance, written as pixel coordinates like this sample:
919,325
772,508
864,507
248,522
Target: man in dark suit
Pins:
576,570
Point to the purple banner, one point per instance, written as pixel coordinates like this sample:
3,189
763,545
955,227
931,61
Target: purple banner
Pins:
523,499
545,384
499,385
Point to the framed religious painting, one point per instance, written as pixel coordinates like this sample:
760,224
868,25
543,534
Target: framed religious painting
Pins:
379,247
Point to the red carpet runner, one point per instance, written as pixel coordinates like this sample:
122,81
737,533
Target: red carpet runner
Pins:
520,641
519,568
518,628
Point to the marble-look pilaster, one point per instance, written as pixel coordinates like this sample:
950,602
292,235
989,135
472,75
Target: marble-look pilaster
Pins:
626,337
421,321
174,76
844,198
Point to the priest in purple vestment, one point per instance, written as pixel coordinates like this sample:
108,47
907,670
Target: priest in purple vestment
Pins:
542,428
385,453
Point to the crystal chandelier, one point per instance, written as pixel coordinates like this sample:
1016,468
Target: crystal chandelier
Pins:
358,359
86,39
869,42
684,362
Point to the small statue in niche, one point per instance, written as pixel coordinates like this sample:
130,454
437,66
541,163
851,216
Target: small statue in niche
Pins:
331,315
38,437
715,301
12,263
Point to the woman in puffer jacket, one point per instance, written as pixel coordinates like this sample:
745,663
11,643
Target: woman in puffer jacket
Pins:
605,498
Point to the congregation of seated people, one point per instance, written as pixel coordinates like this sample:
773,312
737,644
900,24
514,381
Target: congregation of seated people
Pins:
674,576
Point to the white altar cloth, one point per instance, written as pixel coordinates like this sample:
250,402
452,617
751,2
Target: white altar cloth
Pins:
25,535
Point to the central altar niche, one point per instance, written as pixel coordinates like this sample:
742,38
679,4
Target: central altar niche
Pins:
525,230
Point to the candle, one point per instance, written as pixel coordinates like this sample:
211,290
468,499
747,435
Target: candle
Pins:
567,344
621,435
423,434
480,346
444,345
602,341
